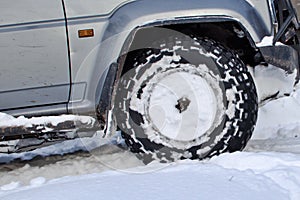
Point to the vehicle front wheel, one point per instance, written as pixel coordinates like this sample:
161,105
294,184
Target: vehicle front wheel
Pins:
186,98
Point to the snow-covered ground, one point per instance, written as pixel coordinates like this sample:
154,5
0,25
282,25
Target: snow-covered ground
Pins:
238,176
269,168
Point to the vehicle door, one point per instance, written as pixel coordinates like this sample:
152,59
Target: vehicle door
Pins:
34,65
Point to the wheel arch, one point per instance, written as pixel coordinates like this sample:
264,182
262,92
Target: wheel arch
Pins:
188,17
228,32
251,14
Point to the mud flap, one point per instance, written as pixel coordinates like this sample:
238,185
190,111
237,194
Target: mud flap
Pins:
104,105
283,56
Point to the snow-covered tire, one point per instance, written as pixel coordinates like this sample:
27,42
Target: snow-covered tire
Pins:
186,98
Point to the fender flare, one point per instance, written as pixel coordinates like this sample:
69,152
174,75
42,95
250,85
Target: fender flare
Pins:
143,12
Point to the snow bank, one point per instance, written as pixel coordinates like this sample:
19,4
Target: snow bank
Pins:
237,176
272,80
282,169
279,118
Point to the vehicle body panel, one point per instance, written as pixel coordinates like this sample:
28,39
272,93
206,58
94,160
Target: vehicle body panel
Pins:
29,11
79,8
34,54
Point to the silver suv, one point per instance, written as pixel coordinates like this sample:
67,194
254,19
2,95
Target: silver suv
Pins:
173,76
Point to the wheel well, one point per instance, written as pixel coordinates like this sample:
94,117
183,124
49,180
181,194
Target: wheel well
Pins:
229,33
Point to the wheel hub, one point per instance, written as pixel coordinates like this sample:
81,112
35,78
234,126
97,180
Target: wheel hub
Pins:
182,106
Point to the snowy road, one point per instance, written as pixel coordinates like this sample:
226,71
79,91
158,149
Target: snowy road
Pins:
237,176
66,159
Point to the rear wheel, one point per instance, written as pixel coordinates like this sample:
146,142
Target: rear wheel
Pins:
186,98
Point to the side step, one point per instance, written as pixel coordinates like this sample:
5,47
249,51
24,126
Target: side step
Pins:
24,133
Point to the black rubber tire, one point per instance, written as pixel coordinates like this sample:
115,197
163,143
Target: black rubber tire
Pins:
238,91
